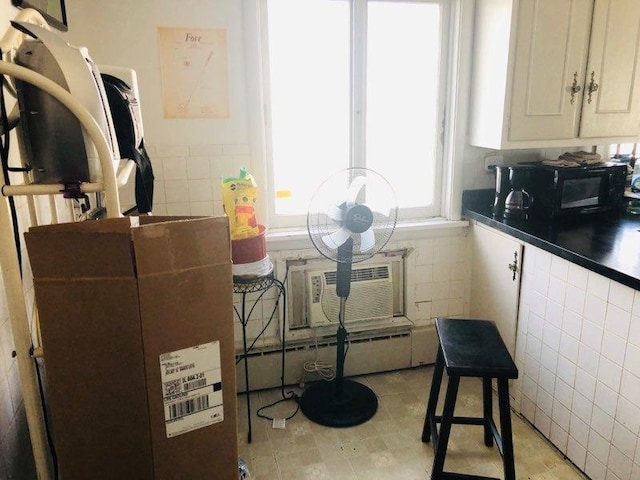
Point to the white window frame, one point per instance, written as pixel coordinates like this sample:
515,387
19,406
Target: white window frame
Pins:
456,45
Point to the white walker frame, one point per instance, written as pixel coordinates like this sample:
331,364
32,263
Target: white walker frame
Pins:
9,256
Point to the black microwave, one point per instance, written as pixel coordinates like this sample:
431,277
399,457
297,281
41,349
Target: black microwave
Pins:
565,191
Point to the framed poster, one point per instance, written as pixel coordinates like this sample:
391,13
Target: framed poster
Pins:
193,64
52,10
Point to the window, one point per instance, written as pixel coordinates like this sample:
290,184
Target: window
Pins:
622,150
354,83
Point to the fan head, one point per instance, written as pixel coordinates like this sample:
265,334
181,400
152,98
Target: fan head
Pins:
354,205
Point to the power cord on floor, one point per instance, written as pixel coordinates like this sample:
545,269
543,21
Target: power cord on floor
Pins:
324,369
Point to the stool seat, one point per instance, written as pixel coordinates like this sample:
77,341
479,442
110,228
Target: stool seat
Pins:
470,348
474,348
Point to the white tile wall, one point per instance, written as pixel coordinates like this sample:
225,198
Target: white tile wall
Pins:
187,178
579,356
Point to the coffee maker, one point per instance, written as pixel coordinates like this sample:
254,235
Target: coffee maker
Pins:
503,187
512,201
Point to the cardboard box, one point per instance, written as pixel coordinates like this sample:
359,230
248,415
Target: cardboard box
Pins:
136,317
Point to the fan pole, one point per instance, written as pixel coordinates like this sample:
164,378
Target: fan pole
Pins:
341,402
343,288
341,339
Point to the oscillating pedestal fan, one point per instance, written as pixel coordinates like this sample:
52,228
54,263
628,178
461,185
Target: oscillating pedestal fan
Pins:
351,218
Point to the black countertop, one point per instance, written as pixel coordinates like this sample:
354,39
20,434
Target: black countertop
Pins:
606,243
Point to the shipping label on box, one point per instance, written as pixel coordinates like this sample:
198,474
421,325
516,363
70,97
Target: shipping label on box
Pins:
192,388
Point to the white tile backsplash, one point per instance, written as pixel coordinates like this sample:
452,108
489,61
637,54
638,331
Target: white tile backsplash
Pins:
551,336
566,370
591,335
575,299
576,452
634,331
582,407
613,347
549,358
588,359
557,290
609,373
559,436
541,282
628,414
564,392
176,191
595,309
585,383
630,387
595,417
598,286
594,468
619,463
598,446
569,346
200,190
602,423
560,268
606,398
554,311
546,382
618,321
579,430
561,415
623,440
199,167
578,276
535,325
175,168
621,296
632,360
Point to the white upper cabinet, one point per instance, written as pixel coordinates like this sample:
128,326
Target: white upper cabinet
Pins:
555,73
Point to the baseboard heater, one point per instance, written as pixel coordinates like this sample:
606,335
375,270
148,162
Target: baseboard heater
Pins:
366,354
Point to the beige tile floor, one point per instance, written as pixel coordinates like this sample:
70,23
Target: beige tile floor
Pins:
388,446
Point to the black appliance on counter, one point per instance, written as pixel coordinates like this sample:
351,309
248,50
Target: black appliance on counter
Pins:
558,191
569,191
513,200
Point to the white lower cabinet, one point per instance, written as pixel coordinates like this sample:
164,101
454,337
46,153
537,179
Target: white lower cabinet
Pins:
495,280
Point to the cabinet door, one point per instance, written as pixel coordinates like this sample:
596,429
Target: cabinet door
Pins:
613,108
495,287
550,58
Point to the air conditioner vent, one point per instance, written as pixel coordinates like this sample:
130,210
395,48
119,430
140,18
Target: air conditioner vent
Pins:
361,274
370,297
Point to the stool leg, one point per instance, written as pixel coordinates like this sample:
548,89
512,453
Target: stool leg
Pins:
436,380
445,427
487,407
505,427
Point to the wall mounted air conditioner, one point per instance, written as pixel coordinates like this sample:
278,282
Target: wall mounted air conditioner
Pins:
370,298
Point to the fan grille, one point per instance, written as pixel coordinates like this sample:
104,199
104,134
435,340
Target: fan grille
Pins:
330,203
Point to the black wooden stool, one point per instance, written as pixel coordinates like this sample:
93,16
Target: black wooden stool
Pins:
470,348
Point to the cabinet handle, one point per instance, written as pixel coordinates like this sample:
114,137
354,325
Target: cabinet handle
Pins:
514,266
593,86
575,88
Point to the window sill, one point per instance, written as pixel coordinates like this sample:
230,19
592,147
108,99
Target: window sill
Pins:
297,239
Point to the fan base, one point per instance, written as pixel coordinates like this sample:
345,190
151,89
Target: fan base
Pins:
320,403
